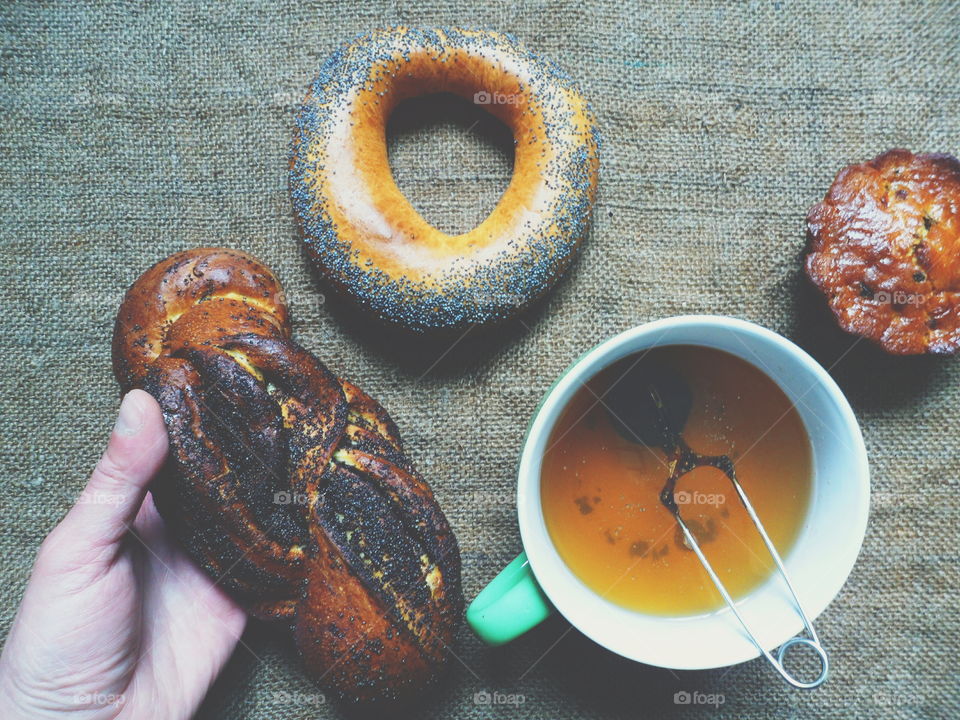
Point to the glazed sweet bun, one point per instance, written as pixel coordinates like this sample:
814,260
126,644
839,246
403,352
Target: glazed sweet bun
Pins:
884,248
365,237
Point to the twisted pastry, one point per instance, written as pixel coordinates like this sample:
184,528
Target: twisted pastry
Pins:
289,486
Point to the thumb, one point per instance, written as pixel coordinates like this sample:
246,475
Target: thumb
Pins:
109,503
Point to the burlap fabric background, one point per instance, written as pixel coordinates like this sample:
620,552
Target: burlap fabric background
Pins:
130,131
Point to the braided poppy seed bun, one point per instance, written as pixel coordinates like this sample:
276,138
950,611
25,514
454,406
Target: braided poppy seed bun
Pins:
364,236
288,485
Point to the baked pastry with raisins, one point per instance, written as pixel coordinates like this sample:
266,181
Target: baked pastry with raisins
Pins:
884,247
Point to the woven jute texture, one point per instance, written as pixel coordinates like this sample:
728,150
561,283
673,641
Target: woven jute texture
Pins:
133,130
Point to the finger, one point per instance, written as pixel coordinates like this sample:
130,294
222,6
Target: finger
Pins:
113,495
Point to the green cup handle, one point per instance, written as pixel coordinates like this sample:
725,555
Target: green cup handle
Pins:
510,605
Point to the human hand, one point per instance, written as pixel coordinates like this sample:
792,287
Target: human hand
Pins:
116,621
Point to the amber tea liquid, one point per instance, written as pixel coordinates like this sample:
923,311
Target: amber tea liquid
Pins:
600,491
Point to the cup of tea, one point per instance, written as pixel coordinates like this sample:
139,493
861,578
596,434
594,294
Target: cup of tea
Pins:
600,545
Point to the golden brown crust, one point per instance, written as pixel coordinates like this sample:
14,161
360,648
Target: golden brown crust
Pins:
884,247
289,486
366,238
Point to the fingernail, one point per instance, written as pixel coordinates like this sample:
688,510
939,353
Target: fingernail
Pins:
130,419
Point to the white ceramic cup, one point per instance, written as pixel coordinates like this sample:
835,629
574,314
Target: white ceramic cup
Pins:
818,563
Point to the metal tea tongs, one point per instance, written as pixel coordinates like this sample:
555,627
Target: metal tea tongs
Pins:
658,420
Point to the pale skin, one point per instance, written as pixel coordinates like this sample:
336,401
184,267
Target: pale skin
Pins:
116,621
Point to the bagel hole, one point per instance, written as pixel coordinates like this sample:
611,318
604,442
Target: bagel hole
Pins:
450,158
